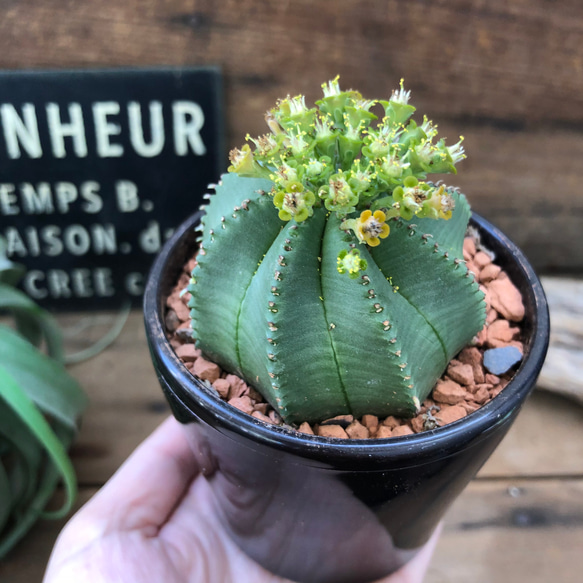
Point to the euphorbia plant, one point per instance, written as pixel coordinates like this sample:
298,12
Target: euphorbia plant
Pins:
330,272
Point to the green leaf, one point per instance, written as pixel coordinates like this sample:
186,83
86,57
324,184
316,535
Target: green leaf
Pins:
33,322
11,392
43,380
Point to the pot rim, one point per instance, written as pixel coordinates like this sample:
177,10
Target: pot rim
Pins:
203,403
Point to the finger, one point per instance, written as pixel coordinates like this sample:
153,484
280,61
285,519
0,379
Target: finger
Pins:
148,486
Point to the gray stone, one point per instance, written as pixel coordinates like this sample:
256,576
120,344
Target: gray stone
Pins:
501,360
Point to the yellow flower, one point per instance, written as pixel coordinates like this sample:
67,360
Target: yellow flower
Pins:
371,228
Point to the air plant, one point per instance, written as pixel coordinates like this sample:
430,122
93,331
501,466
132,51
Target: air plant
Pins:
40,405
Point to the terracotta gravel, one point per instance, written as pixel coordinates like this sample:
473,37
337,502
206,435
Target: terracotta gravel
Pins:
464,387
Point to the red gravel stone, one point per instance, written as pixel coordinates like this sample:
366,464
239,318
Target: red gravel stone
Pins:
261,416
506,299
448,392
238,386
489,272
500,333
188,353
492,379
175,303
383,432
242,403
451,414
206,370
482,259
357,431
332,431
461,373
305,428
222,386
391,422
402,430
482,394
370,421
469,247
418,424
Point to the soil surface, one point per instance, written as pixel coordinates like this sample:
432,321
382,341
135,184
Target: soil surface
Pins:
465,386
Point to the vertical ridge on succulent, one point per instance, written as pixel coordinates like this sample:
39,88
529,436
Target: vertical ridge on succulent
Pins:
295,321
214,313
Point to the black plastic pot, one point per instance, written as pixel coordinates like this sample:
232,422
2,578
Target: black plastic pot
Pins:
320,510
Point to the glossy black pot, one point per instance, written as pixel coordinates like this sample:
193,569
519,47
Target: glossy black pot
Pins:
324,510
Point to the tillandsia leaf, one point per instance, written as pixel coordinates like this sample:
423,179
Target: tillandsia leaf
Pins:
34,323
40,405
43,380
36,457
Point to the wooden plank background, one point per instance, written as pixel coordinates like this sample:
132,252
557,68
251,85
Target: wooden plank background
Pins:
506,74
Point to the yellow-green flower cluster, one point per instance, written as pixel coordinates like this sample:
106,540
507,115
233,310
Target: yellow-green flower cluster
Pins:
344,157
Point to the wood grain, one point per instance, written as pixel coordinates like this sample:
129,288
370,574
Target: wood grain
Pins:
503,531
507,75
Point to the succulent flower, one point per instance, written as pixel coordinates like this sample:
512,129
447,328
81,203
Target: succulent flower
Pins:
344,295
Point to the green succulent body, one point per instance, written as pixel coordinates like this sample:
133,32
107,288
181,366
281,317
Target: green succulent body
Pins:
271,299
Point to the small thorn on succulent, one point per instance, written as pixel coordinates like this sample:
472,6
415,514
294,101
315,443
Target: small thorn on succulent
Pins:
271,326
207,196
271,356
403,365
407,378
271,375
426,237
365,280
274,290
417,403
446,255
277,275
245,204
409,386
293,227
378,308
435,247
371,293
393,340
332,326
261,192
271,341
398,353
287,248
281,260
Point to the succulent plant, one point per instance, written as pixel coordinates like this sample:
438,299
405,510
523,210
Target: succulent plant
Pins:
330,272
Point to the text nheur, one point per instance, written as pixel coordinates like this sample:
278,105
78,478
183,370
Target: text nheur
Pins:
67,127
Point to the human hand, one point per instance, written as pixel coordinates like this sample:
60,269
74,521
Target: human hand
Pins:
153,523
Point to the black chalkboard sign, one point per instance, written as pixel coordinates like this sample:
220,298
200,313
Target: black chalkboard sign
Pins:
96,170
